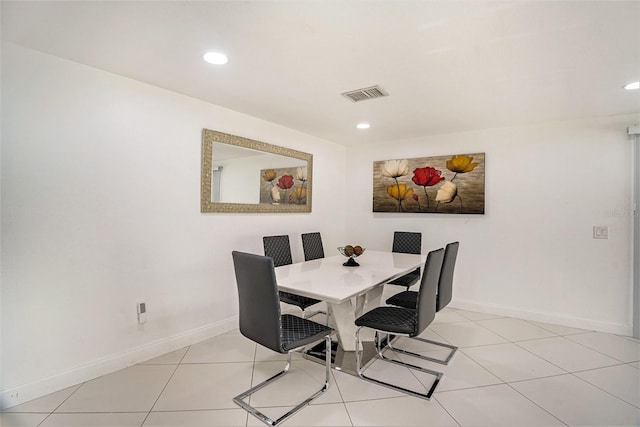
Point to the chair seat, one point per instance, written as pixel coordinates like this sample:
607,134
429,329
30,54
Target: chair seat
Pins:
390,319
407,280
406,299
297,300
297,332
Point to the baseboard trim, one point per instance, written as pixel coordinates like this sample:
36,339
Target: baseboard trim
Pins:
544,317
41,387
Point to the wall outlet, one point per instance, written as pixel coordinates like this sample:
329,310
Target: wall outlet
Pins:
600,232
142,312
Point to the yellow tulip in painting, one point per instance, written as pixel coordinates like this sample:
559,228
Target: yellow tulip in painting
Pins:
399,191
269,175
461,163
299,194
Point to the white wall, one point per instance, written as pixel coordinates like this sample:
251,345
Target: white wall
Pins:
532,254
100,210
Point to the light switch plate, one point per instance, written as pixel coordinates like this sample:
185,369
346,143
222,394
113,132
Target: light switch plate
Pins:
600,232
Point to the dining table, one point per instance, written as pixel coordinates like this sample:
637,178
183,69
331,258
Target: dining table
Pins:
349,291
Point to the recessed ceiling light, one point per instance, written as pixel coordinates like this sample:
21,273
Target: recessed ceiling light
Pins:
215,58
632,86
363,125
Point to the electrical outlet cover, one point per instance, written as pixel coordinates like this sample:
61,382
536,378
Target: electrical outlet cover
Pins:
600,232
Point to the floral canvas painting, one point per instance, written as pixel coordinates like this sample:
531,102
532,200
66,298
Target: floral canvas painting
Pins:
283,186
445,184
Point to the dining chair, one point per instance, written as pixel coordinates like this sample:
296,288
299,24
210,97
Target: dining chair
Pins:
262,322
312,246
278,248
407,242
409,299
404,322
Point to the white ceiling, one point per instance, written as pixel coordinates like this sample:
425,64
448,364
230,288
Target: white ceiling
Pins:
448,66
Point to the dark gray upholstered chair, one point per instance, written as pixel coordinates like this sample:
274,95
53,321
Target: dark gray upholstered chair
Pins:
312,246
262,322
279,249
409,299
407,243
404,322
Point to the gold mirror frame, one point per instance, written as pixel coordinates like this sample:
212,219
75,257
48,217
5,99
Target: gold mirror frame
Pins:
206,205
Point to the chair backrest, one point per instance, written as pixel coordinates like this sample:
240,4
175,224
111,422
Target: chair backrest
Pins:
428,288
407,242
312,246
278,248
445,284
259,303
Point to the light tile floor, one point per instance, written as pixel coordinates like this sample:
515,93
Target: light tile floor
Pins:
508,372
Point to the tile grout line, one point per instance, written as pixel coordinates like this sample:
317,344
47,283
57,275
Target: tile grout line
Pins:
597,351
446,410
609,393
498,377
61,403
495,375
344,404
536,404
573,373
514,341
546,360
508,384
481,365
165,387
583,331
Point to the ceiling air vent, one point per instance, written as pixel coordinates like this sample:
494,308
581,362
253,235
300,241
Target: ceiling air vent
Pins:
365,93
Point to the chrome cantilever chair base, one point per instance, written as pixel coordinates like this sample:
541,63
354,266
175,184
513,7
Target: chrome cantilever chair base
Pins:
405,322
360,369
239,399
409,300
390,341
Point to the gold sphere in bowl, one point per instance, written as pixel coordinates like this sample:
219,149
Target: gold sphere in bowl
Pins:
351,251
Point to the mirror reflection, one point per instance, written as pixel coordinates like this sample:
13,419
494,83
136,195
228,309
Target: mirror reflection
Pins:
244,175
235,170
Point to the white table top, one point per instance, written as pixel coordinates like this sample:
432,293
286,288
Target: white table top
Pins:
328,280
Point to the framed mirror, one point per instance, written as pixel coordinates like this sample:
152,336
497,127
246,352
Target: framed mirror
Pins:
241,175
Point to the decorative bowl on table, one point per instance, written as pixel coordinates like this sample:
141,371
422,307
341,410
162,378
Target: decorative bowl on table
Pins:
351,252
